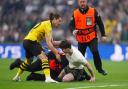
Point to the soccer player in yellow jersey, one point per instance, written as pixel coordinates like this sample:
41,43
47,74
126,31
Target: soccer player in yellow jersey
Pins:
31,44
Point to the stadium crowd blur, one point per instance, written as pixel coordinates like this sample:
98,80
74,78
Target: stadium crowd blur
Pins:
17,17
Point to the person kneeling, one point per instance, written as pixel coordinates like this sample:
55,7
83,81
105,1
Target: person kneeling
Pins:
75,70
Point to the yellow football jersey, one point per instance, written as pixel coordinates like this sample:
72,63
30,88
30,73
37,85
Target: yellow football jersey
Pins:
39,31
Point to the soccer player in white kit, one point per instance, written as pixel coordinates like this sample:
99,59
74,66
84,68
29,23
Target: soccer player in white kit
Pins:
77,62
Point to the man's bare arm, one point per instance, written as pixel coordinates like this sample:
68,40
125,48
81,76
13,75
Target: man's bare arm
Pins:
90,69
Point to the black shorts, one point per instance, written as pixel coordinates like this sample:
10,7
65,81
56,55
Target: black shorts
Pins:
79,74
32,48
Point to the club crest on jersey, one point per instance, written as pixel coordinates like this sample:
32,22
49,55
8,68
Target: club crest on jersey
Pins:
88,21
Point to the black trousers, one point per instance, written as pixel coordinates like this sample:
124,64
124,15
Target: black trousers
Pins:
79,74
35,66
93,46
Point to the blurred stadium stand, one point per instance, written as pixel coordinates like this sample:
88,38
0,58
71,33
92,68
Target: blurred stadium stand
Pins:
17,17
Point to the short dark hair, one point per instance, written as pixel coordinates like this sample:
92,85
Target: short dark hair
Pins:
65,44
54,15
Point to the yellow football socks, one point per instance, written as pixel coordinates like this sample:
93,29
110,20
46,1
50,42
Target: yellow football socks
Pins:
46,68
23,66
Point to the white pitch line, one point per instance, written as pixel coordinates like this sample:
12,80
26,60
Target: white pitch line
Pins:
96,86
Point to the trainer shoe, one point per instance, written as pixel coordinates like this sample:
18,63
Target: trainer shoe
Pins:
16,78
50,80
36,77
15,64
30,77
103,72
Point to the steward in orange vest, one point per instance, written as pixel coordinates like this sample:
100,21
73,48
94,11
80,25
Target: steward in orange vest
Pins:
85,22
83,25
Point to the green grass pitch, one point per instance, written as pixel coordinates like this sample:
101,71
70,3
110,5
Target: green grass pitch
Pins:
117,78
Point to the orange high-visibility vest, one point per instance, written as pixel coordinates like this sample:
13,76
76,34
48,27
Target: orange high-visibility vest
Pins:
86,25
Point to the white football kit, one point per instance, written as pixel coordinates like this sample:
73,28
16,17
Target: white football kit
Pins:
76,60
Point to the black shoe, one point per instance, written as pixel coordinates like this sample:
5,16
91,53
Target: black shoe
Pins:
103,72
30,77
35,77
15,64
